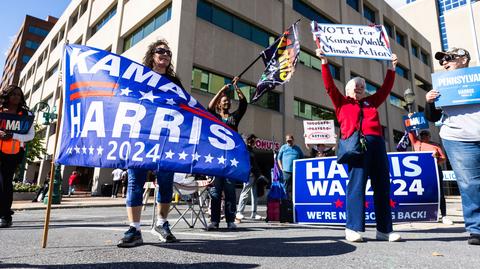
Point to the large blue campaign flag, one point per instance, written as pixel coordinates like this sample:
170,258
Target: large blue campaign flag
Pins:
457,87
118,113
320,186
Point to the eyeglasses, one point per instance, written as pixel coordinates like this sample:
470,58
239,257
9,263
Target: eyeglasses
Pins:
163,51
448,58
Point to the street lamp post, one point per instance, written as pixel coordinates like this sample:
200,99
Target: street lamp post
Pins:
409,96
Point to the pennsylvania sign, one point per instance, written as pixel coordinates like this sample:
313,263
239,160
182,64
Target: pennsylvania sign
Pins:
118,113
320,187
457,87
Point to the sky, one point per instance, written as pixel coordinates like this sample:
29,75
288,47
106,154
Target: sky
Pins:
13,14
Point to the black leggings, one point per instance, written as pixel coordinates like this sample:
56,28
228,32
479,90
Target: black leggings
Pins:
8,165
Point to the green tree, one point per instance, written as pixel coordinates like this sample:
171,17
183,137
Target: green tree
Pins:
36,148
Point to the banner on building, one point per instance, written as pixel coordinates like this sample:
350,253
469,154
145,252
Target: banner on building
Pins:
13,123
416,121
320,186
118,113
280,60
457,87
319,132
358,41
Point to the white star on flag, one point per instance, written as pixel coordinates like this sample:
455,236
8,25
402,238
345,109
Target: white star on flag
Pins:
208,158
182,155
221,160
234,162
77,149
125,91
169,154
170,101
148,96
84,150
195,156
99,150
90,150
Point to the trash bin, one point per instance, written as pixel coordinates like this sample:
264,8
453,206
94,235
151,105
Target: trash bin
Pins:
106,189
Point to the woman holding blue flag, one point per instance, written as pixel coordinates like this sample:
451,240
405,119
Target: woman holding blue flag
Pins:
159,59
220,107
12,149
359,111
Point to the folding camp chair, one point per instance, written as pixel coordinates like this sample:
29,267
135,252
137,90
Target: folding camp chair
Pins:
193,193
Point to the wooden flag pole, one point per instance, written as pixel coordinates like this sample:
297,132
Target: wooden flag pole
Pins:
52,166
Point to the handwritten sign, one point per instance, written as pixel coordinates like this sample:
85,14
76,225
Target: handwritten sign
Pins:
319,132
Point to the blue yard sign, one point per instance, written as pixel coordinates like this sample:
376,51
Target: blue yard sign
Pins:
320,186
457,87
415,122
118,113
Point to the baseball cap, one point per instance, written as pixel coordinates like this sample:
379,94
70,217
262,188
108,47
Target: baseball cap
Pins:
452,52
424,132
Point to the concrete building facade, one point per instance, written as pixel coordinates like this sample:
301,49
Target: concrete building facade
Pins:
26,42
214,40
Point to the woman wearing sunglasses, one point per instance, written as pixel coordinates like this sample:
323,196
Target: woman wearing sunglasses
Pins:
159,58
460,133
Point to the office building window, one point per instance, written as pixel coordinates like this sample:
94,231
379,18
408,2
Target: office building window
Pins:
97,26
38,31
52,70
232,23
354,4
311,112
36,86
402,71
311,61
400,38
32,44
210,82
147,28
425,58
369,14
26,58
415,50
422,84
309,12
397,101
73,19
388,28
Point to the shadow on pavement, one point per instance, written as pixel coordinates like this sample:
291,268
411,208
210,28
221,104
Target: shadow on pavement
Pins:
132,265
266,247
443,230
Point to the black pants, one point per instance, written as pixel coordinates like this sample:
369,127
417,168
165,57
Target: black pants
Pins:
443,204
116,187
8,165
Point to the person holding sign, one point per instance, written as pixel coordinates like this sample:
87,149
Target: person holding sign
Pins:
158,58
460,133
12,148
220,107
374,163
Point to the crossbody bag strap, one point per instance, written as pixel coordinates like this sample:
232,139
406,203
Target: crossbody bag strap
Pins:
361,118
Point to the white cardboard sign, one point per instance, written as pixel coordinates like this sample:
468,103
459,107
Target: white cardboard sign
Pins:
319,132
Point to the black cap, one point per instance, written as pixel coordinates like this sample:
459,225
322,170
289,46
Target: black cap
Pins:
424,132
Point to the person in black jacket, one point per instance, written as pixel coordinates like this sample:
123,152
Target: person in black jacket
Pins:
250,187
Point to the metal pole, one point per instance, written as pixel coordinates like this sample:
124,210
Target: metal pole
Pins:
474,32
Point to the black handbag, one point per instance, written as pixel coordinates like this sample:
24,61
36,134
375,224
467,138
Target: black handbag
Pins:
352,149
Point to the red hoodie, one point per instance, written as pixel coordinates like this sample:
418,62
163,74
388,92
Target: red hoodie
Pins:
347,109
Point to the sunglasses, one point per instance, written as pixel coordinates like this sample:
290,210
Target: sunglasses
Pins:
448,58
163,51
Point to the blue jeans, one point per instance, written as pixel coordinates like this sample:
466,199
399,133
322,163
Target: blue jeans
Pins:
287,180
225,185
375,165
465,160
136,180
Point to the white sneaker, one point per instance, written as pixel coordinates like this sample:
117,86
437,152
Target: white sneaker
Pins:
239,216
231,226
212,226
353,236
257,217
391,237
447,221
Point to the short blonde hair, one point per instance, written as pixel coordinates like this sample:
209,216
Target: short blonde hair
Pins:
352,83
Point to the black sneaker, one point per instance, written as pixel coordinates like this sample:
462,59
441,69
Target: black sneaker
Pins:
474,239
5,222
164,234
132,238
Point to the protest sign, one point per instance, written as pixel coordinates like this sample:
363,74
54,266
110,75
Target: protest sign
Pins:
416,121
14,123
319,132
320,186
457,87
358,41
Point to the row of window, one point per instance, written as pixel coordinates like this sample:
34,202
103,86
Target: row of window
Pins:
311,61
145,29
309,12
420,54
32,44
209,82
102,21
232,23
312,112
38,31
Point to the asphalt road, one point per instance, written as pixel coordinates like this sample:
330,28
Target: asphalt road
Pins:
86,238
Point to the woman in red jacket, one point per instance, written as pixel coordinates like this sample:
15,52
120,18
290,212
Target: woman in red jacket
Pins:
374,164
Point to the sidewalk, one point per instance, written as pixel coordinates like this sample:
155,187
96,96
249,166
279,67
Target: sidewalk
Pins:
76,201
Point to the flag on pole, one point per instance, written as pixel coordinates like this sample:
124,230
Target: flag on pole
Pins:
119,113
280,60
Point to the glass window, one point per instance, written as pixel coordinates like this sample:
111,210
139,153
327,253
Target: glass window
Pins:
241,28
204,10
388,28
260,37
415,50
304,58
369,14
52,71
309,12
147,28
26,58
422,84
397,101
424,57
335,70
38,31
370,87
73,19
222,19
400,38
401,71
354,4
311,112
32,44
104,19
36,86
